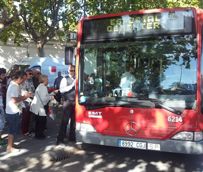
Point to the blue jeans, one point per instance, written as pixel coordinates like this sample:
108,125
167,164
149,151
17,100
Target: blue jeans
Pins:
2,119
14,123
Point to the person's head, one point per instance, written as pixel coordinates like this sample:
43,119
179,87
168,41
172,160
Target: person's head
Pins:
92,75
15,67
12,74
29,73
71,70
132,70
2,73
59,74
20,77
36,73
43,79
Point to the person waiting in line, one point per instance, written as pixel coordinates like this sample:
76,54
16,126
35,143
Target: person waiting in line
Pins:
2,114
25,87
5,83
35,78
14,108
41,99
3,89
15,67
67,88
57,85
11,76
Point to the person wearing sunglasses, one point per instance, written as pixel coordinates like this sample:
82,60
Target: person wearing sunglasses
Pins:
67,88
27,87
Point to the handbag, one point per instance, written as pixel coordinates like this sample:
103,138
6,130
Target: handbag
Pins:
27,105
46,107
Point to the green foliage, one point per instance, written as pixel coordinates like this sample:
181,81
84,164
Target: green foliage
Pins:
42,20
45,19
98,7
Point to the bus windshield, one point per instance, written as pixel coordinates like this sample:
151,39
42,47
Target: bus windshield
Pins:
134,72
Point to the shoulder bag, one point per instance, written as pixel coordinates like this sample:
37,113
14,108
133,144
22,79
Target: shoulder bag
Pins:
46,107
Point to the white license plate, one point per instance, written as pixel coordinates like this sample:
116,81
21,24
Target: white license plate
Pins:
139,145
153,146
132,144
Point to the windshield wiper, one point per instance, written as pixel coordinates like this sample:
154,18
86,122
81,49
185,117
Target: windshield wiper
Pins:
91,106
157,104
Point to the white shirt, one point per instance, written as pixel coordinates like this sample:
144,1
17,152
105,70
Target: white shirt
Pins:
13,91
37,105
64,87
127,80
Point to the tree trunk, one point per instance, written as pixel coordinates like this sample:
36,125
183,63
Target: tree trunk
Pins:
40,49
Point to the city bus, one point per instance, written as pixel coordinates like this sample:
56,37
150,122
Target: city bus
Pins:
138,80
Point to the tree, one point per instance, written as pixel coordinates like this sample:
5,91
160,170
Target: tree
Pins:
113,6
8,16
47,19
41,20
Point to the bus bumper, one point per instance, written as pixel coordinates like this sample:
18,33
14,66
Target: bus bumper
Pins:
174,146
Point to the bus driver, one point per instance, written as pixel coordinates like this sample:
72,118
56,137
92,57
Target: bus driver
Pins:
127,79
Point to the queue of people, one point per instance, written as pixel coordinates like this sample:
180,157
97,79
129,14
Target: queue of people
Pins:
26,101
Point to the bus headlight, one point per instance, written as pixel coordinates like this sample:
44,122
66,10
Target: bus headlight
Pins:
183,136
85,127
198,136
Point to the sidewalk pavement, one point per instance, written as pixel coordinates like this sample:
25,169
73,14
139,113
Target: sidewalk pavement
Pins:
39,151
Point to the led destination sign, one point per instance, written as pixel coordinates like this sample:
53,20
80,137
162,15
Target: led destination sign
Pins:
134,24
128,26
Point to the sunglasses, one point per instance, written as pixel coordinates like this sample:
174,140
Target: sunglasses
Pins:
72,70
30,73
38,73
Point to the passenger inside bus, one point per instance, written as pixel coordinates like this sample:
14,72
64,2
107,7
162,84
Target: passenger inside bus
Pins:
127,81
93,84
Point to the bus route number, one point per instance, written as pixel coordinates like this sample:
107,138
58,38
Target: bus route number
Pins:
174,119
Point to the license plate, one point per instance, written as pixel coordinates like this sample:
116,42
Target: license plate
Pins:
153,146
132,144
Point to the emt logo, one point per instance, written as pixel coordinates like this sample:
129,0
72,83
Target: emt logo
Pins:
93,114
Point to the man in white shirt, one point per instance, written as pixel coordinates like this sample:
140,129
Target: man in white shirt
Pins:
14,108
127,80
67,88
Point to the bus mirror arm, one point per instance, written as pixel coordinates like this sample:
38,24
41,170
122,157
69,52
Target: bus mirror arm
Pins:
69,53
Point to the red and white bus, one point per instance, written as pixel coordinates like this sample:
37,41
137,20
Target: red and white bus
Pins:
139,78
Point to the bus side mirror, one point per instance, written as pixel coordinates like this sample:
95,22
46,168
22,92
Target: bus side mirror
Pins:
69,55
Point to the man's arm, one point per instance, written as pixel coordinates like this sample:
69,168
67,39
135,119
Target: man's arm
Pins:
55,83
64,87
21,98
